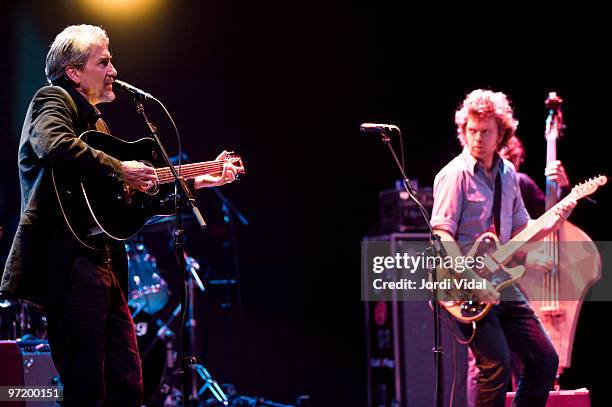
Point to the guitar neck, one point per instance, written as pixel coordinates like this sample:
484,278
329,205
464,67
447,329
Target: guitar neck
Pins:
507,250
189,171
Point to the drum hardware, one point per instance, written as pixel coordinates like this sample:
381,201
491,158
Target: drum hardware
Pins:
173,396
155,344
193,266
210,384
237,400
164,333
148,293
20,320
219,397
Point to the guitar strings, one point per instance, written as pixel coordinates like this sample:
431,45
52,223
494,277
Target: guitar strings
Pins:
189,170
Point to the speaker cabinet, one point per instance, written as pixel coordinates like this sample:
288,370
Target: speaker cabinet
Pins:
400,339
27,363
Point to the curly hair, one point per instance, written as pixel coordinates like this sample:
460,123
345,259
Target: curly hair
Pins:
482,104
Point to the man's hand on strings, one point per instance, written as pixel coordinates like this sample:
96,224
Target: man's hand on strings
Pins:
537,261
138,175
229,173
556,172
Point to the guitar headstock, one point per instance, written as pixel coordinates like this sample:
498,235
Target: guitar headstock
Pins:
553,101
554,122
588,187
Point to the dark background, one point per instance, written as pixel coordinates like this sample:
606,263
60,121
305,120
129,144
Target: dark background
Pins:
286,85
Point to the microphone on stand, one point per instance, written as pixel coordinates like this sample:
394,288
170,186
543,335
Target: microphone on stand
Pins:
378,128
126,87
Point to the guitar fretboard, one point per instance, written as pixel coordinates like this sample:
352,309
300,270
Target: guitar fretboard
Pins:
189,171
506,251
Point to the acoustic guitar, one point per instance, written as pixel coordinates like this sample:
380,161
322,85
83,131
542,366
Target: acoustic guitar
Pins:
105,204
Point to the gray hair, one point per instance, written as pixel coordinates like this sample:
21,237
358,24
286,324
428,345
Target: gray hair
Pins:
72,47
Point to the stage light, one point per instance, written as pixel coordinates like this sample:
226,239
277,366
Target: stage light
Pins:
122,9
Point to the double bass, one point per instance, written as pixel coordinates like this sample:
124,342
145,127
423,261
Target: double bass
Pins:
557,296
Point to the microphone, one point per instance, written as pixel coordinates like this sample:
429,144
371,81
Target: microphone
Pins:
367,128
126,87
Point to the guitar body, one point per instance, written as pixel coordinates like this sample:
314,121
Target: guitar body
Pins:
105,203
499,275
496,257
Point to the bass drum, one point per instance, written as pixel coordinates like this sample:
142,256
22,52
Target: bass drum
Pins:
154,356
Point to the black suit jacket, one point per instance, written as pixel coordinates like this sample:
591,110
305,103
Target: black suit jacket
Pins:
40,259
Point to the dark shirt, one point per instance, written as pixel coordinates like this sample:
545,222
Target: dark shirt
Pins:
533,196
41,255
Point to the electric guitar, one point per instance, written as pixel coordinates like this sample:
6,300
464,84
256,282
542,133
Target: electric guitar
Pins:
94,204
497,256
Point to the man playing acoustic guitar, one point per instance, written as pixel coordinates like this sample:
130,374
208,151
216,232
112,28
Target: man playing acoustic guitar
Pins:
465,206
83,289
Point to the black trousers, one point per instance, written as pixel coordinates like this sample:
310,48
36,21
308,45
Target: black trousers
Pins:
92,339
512,326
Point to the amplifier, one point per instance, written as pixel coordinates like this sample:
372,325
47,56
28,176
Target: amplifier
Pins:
398,213
399,342
562,398
27,363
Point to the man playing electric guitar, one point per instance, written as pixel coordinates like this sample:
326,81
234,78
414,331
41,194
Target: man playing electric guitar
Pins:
465,206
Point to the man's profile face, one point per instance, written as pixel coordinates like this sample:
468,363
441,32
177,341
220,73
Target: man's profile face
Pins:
482,137
97,75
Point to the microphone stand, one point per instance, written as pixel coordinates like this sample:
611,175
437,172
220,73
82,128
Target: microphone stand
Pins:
227,205
182,195
232,270
437,249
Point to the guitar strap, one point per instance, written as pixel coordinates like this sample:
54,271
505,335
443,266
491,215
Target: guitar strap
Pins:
497,203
